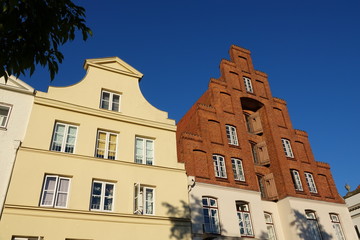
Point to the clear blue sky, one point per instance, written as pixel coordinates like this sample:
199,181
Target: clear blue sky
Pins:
309,49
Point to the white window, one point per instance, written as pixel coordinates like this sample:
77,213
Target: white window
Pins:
248,85
270,226
219,166
337,226
144,200
106,145
102,196
211,215
64,138
244,217
4,115
231,135
312,225
110,101
296,179
144,151
237,169
55,191
287,148
310,182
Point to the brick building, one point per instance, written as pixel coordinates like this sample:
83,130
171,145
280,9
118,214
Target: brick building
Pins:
251,173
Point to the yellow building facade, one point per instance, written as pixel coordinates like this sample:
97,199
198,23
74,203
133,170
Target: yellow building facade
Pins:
97,162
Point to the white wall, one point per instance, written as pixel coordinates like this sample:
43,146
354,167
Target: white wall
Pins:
20,96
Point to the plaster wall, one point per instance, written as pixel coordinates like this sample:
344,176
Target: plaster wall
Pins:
19,96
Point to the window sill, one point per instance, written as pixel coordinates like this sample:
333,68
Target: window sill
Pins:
3,128
234,146
300,192
242,183
220,179
217,143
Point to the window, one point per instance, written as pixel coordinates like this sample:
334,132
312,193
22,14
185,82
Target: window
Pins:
310,182
297,181
312,225
219,166
4,115
110,101
238,169
254,153
26,238
243,213
102,196
106,145
287,148
211,215
144,198
270,226
55,191
64,138
253,122
231,135
337,226
144,151
248,85
260,180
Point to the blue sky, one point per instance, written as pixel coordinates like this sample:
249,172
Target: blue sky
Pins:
309,49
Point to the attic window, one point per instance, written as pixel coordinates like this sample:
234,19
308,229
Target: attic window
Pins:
110,101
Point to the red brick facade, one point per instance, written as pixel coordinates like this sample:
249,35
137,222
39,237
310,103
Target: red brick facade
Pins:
261,122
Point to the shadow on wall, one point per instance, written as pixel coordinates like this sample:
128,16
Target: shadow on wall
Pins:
309,229
180,218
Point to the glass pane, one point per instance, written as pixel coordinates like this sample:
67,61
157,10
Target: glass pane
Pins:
149,152
115,102
139,150
95,202
105,100
63,185
61,200
97,188
108,204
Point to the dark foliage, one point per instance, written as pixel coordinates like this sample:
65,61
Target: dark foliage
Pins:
31,32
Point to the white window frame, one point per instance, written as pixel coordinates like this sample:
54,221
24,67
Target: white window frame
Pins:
111,101
270,226
5,119
313,225
297,180
55,192
244,217
310,182
65,137
238,169
232,135
287,148
219,166
145,155
107,145
103,196
210,215
140,202
248,85
337,226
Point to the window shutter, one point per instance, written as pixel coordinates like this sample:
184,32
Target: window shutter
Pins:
255,122
270,186
138,199
262,153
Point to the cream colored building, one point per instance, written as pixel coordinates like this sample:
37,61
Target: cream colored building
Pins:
16,99
98,162
352,199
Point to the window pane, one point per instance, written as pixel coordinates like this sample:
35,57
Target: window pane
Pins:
115,102
149,152
139,150
149,201
4,111
49,191
105,99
